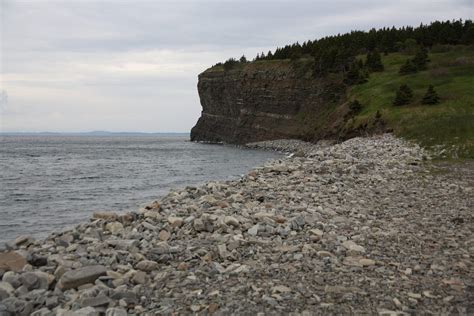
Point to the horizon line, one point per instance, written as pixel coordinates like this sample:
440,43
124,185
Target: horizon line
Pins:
89,132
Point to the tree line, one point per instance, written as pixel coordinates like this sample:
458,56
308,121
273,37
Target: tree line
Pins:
337,53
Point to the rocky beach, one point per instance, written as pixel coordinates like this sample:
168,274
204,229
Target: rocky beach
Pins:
369,226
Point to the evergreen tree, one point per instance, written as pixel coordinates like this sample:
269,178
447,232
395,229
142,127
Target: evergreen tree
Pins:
404,95
243,59
408,67
296,53
374,61
230,63
431,97
421,58
409,46
356,74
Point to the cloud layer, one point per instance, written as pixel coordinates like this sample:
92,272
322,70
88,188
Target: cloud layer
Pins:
82,65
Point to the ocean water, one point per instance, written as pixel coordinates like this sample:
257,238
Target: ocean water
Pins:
51,183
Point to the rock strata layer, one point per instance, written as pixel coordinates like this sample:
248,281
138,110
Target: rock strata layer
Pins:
267,101
362,227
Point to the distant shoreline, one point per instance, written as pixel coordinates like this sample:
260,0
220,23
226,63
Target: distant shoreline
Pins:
98,133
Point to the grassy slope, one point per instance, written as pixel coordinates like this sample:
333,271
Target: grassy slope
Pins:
449,123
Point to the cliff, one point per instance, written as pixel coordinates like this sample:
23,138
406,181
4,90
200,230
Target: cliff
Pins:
267,100
275,99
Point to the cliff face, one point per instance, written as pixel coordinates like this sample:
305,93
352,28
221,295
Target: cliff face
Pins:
264,101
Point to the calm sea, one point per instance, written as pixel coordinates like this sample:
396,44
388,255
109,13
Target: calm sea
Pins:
50,183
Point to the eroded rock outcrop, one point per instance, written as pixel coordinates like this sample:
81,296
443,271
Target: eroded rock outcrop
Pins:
264,101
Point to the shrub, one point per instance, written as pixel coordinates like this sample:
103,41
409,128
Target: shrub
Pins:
408,67
421,58
431,97
355,106
404,95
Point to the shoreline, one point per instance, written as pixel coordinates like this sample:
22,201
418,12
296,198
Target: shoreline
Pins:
46,190
357,227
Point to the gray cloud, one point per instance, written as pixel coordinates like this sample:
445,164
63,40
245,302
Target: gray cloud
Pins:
133,65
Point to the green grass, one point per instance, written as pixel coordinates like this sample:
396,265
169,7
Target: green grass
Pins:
449,124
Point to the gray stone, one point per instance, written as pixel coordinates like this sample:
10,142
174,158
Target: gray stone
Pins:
6,290
115,311
95,301
86,311
52,301
17,306
123,244
352,246
175,221
253,231
199,225
114,227
232,221
12,278
24,240
74,278
128,296
161,248
42,312
4,311
140,277
34,280
147,265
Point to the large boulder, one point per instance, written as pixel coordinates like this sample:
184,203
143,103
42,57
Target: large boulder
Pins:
11,260
74,278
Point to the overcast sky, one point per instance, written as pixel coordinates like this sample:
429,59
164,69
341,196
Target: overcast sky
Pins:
132,65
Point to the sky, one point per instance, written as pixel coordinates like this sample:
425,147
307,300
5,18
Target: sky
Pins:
117,65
